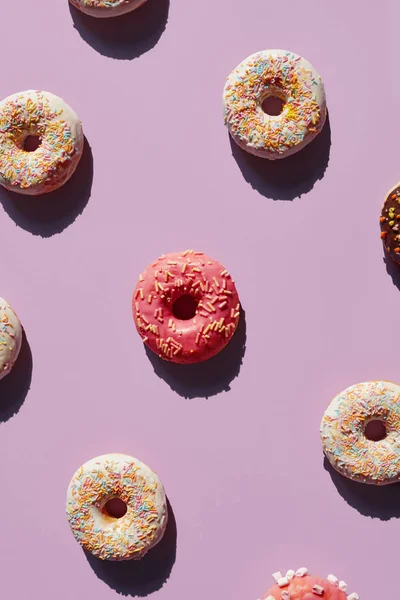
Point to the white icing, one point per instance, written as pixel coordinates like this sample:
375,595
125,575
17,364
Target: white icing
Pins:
55,105
240,74
96,8
121,534
342,433
10,338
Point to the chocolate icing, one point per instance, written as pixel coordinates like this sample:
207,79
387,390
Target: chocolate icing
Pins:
390,224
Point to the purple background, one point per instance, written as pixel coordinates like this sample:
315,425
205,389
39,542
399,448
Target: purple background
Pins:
243,469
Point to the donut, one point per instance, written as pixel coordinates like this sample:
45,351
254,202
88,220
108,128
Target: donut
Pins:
58,140
274,74
390,223
186,307
10,338
106,8
300,585
360,432
109,535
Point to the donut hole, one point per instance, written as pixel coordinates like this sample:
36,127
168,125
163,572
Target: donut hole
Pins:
273,105
31,143
375,430
184,307
115,508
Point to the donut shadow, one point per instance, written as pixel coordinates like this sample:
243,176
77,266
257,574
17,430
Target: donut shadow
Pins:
375,501
207,378
125,37
286,178
140,577
51,213
392,269
15,386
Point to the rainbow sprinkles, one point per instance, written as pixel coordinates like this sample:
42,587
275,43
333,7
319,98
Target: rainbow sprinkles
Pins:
124,477
281,74
10,338
344,433
106,8
59,134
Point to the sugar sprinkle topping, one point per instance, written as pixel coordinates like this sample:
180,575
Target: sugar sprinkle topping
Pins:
344,440
134,483
251,82
21,116
216,313
318,590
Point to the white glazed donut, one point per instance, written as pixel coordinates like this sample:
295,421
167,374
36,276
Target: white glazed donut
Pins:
344,434
106,8
10,338
59,132
116,476
281,74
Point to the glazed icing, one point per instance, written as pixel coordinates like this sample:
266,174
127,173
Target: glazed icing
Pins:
343,438
300,585
274,73
125,477
390,223
47,168
216,315
106,8
10,338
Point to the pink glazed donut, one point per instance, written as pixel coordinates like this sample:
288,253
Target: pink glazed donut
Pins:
300,585
106,8
186,307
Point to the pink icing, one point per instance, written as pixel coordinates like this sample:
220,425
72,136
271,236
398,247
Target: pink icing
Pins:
207,285
301,588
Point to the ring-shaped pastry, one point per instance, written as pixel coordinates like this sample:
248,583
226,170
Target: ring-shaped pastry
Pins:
10,338
360,432
278,74
106,8
186,307
300,585
58,136
106,478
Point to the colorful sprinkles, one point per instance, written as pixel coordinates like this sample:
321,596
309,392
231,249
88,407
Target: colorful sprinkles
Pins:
110,476
300,584
122,6
10,338
213,294
33,113
99,3
343,432
274,73
390,223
